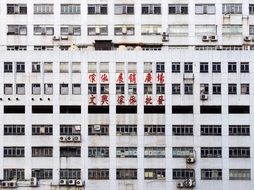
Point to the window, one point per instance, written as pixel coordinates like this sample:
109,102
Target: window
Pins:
99,30
160,67
42,151
14,174
17,30
188,67
42,173
119,88
92,89
8,89
98,152
76,89
151,9
17,9
183,174
127,30
239,130
239,152
16,151
154,130
216,88
100,9
150,29
48,67
70,8
36,67
132,89
177,9
20,67
231,29
70,173
70,151
211,174
216,67
238,109
104,89
201,30
176,88
43,8
42,109
76,67
251,29
188,88
182,109
14,129
251,9
231,8
48,89
126,152
239,174
154,152
124,9
152,174
244,67
211,152
210,109
205,9
126,174
8,67
14,109
98,130
44,30
64,67
232,67
20,89
42,130
178,30
204,88
204,67
64,89
182,152
127,130
16,48
70,129
98,174
210,130
232,89
71,30
36,89
176,67
160,89
148,89
182,130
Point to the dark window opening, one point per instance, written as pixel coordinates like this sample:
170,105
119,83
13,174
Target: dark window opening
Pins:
14,109
103,45
182,109
239,109
126,109
154,109
210,109
98,109
42,109
70,109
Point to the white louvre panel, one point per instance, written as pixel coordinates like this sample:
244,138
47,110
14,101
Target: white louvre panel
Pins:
64,90
8,90
76,90
36,90
49,89
48,67
21,90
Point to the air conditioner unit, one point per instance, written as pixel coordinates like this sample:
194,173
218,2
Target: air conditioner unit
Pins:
213,38
79,183
205,38
77,127
190,160
71,182
12,184
5,184
62,182
165,37
203,96
62,138
124,30
69,138
189,183
247,39
56,38
64,37
34,182
97,30
219,47
77,138
96,127
180,185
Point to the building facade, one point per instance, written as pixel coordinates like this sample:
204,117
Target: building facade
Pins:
126,95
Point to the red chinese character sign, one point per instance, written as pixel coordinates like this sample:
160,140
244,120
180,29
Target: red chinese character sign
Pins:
148,78
133,100
92,78
148,100
132,78
160,78
161,99
92,100
120,100
104,78
120,78
104,99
